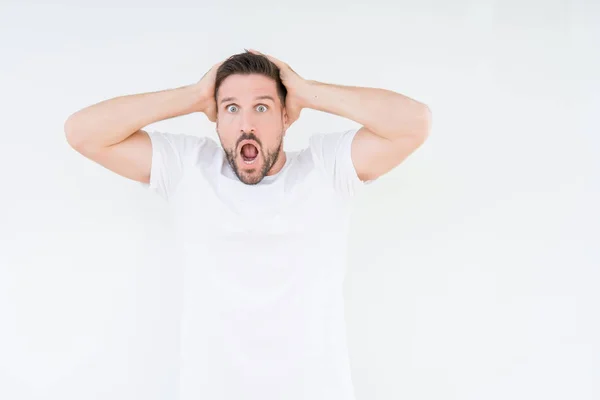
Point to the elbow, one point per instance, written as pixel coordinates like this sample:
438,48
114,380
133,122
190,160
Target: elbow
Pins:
428,119
425,124
421,124
72,134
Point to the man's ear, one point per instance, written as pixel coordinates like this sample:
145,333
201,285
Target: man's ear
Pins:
286,119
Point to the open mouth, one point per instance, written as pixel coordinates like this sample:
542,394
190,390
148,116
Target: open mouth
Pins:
249,153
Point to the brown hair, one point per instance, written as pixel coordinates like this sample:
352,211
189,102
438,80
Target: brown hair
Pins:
249,63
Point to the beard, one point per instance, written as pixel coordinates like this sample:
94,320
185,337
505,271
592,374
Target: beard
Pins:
266,158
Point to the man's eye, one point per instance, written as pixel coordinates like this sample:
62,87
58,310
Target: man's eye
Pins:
232,108
261,108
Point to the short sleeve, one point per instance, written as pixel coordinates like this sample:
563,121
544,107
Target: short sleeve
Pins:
332,153
171,153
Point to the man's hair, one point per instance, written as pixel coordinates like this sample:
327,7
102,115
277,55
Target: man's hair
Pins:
249,63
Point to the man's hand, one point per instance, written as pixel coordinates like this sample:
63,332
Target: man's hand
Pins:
295,85
206,93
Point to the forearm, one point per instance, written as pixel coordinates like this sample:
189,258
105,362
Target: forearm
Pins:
112,121
385,113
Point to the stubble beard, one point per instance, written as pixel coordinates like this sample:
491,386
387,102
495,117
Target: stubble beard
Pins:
252,178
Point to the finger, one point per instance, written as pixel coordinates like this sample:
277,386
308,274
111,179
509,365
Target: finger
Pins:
213,69
274,60
216,66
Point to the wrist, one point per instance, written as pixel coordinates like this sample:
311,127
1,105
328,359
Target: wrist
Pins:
199,99
306,93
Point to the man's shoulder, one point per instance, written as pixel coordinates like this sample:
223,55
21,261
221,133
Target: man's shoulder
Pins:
181,145
303,171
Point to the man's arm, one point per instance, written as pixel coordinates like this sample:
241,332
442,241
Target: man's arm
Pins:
110,132
393,125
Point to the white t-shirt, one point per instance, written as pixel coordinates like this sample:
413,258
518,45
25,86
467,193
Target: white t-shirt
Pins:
264,265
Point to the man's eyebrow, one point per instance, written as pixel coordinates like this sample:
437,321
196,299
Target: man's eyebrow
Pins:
265,97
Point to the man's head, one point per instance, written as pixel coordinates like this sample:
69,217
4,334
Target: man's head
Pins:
251,117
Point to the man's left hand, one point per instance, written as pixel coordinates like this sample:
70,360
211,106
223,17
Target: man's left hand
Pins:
295,85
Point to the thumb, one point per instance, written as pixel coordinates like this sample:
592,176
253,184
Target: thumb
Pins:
211,113
293,114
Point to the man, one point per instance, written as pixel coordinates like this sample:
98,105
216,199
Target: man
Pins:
262,230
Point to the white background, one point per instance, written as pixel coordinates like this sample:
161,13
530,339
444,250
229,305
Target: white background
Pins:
474,265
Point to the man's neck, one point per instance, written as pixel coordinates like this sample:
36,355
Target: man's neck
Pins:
279,164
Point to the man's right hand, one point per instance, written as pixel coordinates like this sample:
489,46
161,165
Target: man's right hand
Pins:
206,93
110,132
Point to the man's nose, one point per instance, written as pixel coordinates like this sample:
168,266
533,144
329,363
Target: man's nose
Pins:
247,123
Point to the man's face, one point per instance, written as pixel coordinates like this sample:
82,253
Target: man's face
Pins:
251,124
